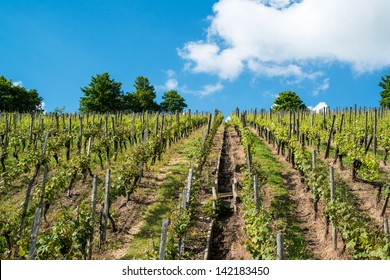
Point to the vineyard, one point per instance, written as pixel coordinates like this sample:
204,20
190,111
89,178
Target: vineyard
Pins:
263,185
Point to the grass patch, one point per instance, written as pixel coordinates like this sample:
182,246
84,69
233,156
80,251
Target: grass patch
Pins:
282,209
167,198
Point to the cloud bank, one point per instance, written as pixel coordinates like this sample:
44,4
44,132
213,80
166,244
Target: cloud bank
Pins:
17,84
319,107
205,90
172,83
282,38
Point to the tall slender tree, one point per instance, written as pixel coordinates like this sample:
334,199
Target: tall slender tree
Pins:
142,99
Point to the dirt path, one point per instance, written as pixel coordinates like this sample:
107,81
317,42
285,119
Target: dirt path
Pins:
228,235
313,228
198,236
130,215
365,194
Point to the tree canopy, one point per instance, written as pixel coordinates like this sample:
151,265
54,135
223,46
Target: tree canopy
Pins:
172,101
385,93
102,95
288,100
15,97
142,99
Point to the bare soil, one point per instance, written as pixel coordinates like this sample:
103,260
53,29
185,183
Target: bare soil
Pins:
228,235
366,195
313,228
129,216
198,236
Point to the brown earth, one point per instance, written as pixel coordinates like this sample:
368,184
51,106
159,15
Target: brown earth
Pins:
314,228
366,195
228,236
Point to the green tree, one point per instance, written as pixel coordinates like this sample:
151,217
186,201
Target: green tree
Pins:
142,99
102,95
385,93
172,101
288,100
59,110
14,97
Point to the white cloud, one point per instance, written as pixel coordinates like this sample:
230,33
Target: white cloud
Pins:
322,87
209,58
288,70
287,39
205,90
170,73
17,84
171,84
318,107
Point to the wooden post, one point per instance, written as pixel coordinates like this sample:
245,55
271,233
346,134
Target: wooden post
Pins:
313,159
163,239
162,142
256,189
332,187
156,125
145,137
189,184
93,210
386,229
330,138
31,126
79,144
203,140
106,208
290,125
132,130
279,246
106,126
209,124
184,204
249,158
37,218
385,205
366,130
184,196
375,130
235,195
146,131
332,197
89,146
28,191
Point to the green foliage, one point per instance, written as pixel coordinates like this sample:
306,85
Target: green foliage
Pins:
172,101
65,228
363,240
219,210
68,236
142,99
59,110
261,241
288,100
14,97
102,95
385,93
8,230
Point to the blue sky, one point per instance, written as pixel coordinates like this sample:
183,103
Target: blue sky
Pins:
217,54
